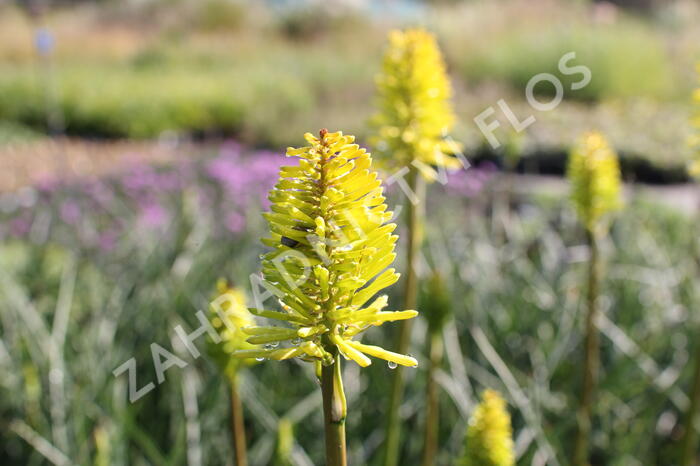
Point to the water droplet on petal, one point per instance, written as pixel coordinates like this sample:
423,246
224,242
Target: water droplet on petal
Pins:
412,367
392,365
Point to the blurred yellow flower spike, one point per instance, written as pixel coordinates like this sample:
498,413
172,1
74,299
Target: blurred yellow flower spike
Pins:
489,435
694,167
415,113
331,246
594,174
229,315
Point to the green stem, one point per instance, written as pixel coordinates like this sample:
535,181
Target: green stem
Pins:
237,424
501,207
689,446
690,438
432,412
591,357
334,413
415,238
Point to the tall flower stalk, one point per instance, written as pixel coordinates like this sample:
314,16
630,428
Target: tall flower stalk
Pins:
285,443
689,446
594,175
228,315
331,248
437,309
414,116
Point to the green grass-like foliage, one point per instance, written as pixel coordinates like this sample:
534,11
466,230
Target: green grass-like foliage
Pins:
134,289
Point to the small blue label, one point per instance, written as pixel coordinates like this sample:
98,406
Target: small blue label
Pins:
43,41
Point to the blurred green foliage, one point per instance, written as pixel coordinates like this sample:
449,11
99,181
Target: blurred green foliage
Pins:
139,102
626,59
11,132
220,15
265,74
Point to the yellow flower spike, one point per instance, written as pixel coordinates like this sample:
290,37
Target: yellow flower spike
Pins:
415,112
323,293
489,435
694,166
229,316
594,174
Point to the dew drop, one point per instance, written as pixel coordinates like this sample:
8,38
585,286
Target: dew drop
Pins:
259,359
412,367
269,346
391,364
296,341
